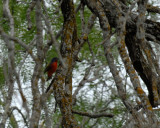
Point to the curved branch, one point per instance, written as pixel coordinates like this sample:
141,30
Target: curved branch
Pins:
20,112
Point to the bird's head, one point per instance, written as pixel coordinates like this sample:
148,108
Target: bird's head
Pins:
54,59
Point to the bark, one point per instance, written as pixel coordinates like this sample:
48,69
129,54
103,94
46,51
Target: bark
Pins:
139,62
133,31
120,18
62,83
9,77
36,108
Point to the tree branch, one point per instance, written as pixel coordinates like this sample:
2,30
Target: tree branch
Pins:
53,38
154,9
38,71
6,36
20,112
93,115
28,17
11,62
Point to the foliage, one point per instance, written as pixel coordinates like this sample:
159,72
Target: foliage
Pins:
98,91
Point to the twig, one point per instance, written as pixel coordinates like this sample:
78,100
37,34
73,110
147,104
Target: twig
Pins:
93,55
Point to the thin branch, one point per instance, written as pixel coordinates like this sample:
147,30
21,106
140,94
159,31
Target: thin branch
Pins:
5,71
36,108
28,17
60,31
92,53
152,38
31,44
105,26
140,34
78,8
25,106
53,39
107,38
47,117
11,63
154,9
6,36
82,18
84,36
58,8
82,83
97,115
20,112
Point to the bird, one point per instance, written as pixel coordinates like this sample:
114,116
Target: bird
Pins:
51,68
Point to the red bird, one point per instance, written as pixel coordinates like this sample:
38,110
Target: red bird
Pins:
51,68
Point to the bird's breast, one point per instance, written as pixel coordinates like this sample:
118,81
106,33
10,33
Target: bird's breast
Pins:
54,66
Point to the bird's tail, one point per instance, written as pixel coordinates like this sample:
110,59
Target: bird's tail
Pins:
50,86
